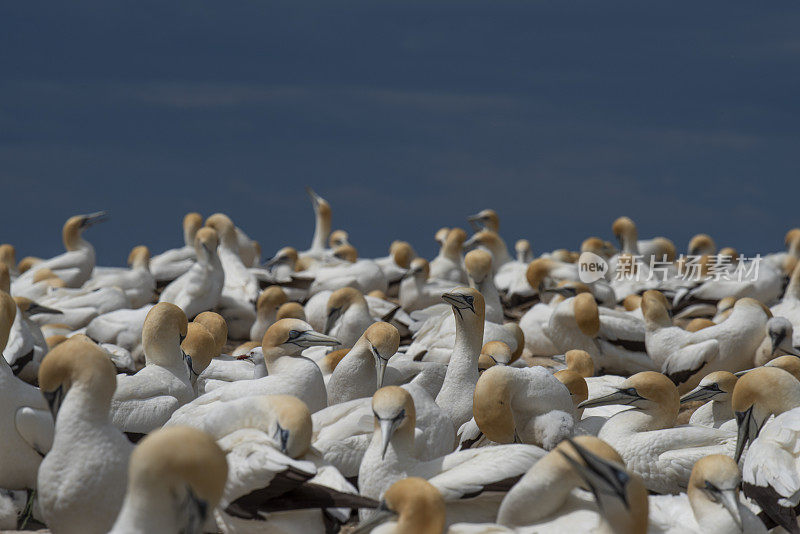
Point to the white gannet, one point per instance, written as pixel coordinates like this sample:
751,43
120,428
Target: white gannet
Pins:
511,278
646,437
395,266
25,422
716,388
448,264
8,258
614,339
137,282
289,373
347,316
349,270
417,291
770,472
361,372
198,289
145,401
789,306
728,346
26,344
82,480
711,504
249,249
175,480
410,506
322,226
75,265
122,328
523,405
495,353
199,348
267,306
172,263
478,264
777,342
240,290
471,481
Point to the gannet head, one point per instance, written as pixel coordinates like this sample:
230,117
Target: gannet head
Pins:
441,235
587,314
714,386
139,258
487,239
346,253
27,263
780,332
665,247
320,205
620,494
491,405
494,353
655,308
200,348
206,242
285,256
760,393
523,249
454,241
223,225
164,329
55,340
77,362
792,237
338,238
292,427
292,336
715,480
182,464
339,302
74,227
29,307
419,268
632,302
8,255
729,252
192,222
597,246
215,324
478,264
538,270
402,253
8,311
624,230
648,391
416,505
466,302
383,340
575,383
789,363
487,219
579,361
291,310
699,323
394,412
702,244
270,300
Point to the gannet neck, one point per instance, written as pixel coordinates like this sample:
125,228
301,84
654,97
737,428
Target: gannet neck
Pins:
226,231
524,251
625,231
139,258
322,221
164,328
793,289
8,311
5,278
71,235
192,222
453,243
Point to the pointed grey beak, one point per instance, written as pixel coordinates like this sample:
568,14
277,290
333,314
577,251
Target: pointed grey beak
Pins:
315,198
388,426
380,516
310,338
475,222
748,430
742,373
36,308
618,397
701,393
282,437
54,399
730,500
458,301
380,365
94,218
601,475
330,321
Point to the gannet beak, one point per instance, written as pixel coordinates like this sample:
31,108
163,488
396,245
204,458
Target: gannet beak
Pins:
282,437
559,358
730,500
748,430
381,515
475,222
380,365
94,218
35,308
701,393
54,399
315,198
197,510
310,338
742,373
601,475
330,321
387,431
458,302
565,292
622,396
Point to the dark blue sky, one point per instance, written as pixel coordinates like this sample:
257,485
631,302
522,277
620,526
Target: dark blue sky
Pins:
406,116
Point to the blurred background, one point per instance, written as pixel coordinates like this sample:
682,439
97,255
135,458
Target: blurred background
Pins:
406,116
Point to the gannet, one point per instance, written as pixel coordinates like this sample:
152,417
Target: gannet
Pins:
82,480
410,506
200,288
26,344
240,289
646,437
511,278
322,226
289,372
448,264
789,306
417,292
396,264
25,422
711,504
267,306
716,388
490,242
468,480
495,353
172,263
347,316
138,283
770,472
362,274
249,249
145,401
175,481
122,328
478,264
74,266
8,257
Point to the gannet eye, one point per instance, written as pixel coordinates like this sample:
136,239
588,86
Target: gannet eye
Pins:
630,391
712,491
400,416
469,299
294,334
